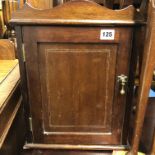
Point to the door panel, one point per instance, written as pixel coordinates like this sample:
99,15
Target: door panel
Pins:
78,87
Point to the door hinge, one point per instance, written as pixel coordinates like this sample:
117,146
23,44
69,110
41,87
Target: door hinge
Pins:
23,52
30,124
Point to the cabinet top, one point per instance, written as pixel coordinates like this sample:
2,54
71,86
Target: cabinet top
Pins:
76,13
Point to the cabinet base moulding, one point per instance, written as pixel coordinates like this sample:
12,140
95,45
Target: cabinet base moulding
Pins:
75,147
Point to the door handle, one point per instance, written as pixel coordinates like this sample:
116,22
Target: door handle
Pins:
122,79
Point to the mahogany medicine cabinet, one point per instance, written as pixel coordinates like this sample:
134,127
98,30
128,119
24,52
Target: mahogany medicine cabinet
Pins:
77,64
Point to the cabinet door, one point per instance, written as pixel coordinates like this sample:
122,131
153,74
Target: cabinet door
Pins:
74,95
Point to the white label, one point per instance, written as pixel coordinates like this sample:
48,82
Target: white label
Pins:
107,34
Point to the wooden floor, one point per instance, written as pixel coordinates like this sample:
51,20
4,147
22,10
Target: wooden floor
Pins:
64,152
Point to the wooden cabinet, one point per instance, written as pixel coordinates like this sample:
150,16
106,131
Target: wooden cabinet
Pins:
76,74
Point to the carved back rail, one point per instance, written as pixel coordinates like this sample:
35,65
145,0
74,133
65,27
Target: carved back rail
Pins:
67,14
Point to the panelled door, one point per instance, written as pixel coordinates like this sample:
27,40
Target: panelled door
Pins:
74,94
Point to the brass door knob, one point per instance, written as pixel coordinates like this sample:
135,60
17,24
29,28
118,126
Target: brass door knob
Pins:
122,79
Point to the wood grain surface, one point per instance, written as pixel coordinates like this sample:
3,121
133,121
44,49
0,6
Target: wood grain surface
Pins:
7,50
11,79
41,4
6,66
